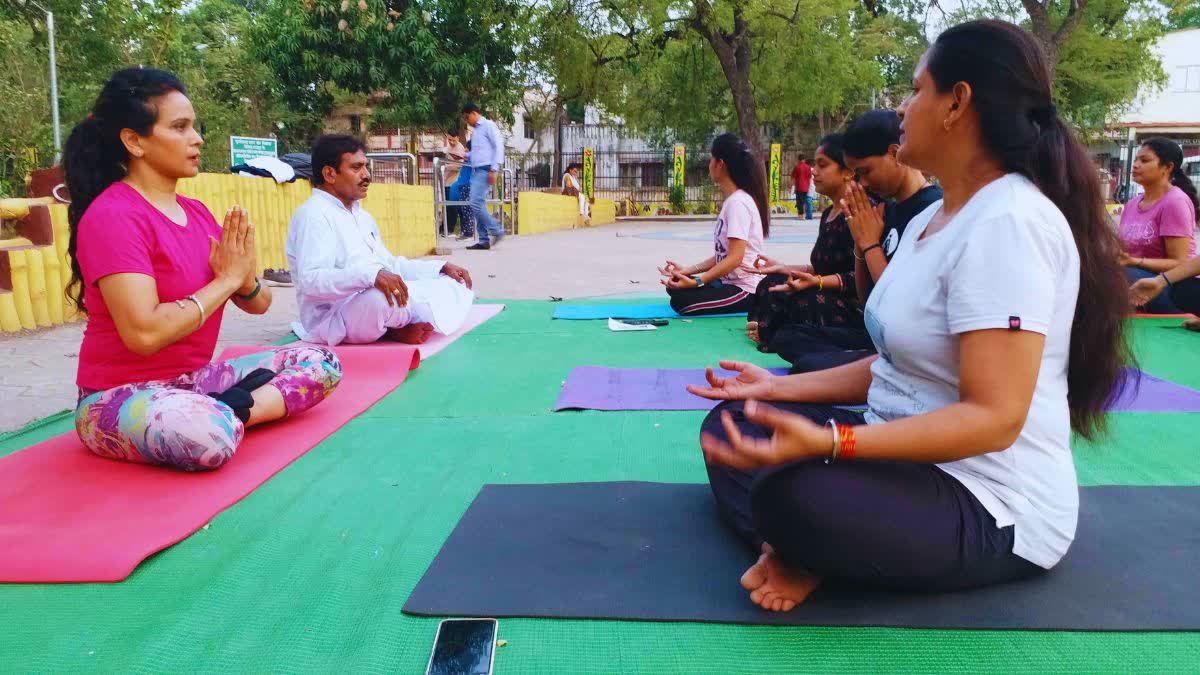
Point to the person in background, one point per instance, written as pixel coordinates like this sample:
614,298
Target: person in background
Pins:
725,282
455,151
486,160
153,272
1000,326
572,187
461,191
1158,227
801,182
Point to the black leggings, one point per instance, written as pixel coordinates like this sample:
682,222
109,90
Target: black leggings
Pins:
1186,295
893,525
710,299
809,347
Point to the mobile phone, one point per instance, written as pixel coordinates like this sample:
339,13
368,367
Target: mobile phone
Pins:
463,647
645,322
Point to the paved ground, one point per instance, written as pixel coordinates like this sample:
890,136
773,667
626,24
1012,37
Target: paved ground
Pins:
609,260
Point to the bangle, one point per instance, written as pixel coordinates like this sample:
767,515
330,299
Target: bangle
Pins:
1164,276
837,441
252,294
820,282
847,441
871,248
199,306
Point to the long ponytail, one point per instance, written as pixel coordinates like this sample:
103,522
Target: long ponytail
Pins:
1011,91
94,156
1169,152
746,172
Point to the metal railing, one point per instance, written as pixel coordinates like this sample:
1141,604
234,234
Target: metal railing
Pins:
406,175
507,194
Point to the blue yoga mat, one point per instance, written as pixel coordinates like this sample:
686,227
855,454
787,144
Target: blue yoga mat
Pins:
642,311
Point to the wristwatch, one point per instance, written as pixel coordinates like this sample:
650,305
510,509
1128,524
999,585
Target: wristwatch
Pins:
699,279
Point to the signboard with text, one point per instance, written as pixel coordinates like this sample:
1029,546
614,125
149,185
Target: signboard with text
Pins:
776,162
245,148
589,171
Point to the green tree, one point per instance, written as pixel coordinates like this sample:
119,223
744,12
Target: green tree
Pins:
1184,14
421,59
1101,50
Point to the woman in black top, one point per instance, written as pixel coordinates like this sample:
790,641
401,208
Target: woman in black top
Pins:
821,294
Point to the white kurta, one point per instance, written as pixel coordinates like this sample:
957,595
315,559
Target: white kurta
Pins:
569,181
335,253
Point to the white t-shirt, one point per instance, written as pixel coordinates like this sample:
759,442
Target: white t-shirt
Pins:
739,219
1006,260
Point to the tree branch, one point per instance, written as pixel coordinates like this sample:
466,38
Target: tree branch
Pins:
1074,17
1039,19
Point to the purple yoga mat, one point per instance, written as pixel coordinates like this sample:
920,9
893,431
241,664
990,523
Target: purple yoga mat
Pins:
600,388
1156,395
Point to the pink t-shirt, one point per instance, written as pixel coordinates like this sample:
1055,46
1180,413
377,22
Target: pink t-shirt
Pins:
122,232
1142,230
740,219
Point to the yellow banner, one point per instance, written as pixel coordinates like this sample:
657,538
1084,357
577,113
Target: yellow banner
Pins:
680,155
589,172
776,162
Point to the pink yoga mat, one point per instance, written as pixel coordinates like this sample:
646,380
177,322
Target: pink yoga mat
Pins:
68,516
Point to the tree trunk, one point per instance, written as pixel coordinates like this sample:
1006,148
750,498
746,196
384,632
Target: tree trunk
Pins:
556,170
733,52
1052,38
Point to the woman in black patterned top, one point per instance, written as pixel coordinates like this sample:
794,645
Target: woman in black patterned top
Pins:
821,293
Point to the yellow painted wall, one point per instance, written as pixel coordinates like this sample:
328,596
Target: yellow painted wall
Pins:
404,212
604,212
539,212
40,273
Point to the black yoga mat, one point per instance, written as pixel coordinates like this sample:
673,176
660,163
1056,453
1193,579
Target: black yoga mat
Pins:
659,552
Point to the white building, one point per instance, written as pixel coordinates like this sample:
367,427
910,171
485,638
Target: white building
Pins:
1172,111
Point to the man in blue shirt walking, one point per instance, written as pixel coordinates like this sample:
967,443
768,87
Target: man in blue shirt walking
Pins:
486,159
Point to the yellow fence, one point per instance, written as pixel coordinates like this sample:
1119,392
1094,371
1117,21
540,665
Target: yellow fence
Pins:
40,273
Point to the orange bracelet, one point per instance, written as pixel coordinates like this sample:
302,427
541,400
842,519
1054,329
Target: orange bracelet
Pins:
846,442
820,282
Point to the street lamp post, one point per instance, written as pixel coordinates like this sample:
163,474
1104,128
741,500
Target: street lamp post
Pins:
53,81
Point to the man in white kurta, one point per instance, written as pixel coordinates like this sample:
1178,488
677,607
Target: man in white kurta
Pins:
350,287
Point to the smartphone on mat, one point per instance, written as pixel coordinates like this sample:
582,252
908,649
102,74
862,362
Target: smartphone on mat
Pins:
645,322
463,647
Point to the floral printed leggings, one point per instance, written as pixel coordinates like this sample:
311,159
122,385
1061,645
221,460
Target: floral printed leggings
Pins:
175,423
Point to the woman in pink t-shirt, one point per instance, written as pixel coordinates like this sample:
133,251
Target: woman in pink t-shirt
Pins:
153,270
725,283
1158,227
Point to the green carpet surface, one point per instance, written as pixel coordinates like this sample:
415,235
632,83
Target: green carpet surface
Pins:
309,572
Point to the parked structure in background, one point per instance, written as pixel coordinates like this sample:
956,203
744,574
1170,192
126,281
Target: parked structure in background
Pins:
1173,112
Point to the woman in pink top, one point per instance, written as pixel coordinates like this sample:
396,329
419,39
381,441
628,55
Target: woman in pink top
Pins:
725,283
1158,228
153,271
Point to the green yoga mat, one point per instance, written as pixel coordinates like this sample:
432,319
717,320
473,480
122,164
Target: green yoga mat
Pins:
309,573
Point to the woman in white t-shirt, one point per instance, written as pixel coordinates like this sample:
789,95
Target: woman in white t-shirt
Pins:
725,283
994,341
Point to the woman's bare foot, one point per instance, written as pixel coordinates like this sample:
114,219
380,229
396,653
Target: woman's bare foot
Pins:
752,331
774,587
1192,324
412,334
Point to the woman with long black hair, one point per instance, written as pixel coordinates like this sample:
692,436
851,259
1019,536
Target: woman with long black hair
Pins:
1158,227
1000,330
725,283
153,271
